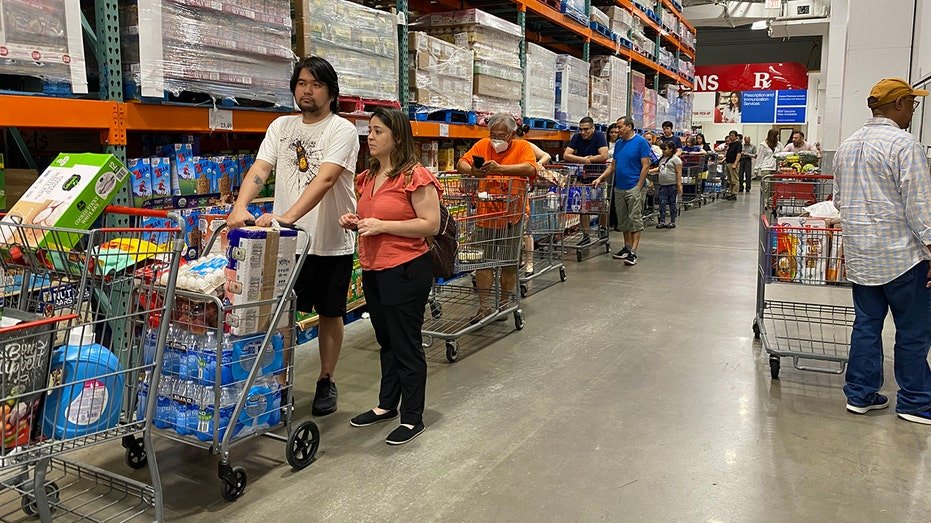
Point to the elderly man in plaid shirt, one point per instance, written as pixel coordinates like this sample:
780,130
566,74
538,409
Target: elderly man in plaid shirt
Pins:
882,188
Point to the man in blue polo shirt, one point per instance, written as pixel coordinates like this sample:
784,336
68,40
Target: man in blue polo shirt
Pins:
588,145
629,168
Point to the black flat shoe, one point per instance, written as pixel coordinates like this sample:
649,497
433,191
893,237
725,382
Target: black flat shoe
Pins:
370,418
402,434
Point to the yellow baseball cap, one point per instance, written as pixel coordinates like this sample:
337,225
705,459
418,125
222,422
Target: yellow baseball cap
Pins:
889,90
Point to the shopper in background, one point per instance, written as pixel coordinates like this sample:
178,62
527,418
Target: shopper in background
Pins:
613,133
669,184
731,165
766,163
882,188
588,145
655,151
668,136
543,158
799,144
630,168
399,207
747,155
507,159
314,155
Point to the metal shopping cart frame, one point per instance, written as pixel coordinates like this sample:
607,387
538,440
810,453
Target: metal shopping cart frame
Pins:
102,281
546,226
485,243
585,201
807,255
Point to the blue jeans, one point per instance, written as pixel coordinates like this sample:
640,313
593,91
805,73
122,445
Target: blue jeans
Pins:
908,298
668,196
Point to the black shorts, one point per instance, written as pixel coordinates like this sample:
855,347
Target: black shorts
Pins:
323,285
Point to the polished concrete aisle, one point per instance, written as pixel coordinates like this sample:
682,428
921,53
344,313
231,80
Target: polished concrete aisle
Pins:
633,394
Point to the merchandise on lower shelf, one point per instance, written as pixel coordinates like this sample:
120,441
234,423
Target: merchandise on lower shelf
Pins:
540,82
571,89
495,44
600,17
615,70
43,39
599,105
174,47
440,73
667,59
637,87
360,42
649,109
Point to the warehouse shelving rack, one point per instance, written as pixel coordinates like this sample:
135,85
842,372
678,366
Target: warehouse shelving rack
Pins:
115,118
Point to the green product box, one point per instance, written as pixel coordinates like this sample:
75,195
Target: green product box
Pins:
70,194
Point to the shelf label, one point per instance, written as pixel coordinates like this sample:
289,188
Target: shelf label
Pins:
220,120
444,130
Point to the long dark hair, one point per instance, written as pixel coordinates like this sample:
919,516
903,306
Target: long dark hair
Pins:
324,73
403,156
704,143
772,138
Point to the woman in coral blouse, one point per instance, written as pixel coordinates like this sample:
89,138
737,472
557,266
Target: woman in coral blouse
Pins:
399,207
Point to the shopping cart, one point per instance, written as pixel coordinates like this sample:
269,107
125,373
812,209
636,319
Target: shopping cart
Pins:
694,166
810,324
83,330
713,178
787,194
591,205
546,226
228,373
490,215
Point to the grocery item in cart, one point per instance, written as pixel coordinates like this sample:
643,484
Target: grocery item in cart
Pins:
70,194
24,367
801,250
92,396
261,260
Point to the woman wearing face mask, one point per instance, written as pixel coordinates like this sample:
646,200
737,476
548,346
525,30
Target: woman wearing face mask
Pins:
507,158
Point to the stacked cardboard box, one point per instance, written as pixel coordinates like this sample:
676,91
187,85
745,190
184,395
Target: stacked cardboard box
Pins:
42,38
615,71
599,103
649,109
600,17
360,42
540,82
175,46
440,73
571,89
495,44
637,90
621,20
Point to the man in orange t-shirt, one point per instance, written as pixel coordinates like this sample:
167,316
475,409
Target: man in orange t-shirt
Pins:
509,164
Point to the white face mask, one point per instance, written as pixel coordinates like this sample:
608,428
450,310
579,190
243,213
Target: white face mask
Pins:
500,145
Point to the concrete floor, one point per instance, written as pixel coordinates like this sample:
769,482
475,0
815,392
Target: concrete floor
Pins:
633,394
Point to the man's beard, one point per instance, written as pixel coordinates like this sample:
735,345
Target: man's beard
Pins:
309,107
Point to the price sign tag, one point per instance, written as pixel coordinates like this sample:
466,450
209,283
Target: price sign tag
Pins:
444,130
220,120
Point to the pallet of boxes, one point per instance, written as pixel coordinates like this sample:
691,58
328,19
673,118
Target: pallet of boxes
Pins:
571,90
440,74
498,79
609,76
540,83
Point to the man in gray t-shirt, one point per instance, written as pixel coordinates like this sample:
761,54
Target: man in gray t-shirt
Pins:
747,155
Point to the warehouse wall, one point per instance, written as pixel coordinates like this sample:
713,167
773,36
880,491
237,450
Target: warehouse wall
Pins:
740,46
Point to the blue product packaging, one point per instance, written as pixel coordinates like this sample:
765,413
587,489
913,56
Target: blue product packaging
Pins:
161,181
244,352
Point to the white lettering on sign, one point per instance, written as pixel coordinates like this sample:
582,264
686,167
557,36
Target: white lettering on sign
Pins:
706,83
762,80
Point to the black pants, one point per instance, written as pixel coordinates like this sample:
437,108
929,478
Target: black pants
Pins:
396,299
745,174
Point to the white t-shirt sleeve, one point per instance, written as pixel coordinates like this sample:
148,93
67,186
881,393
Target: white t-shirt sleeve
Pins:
268,151
343,147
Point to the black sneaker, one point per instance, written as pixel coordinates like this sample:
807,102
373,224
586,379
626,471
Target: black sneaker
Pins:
879,402
402,434
370,418
585,241
631,260
325,398
671,225
661,225
621,254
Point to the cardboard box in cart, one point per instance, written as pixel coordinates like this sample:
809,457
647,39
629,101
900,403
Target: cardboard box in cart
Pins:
261,260
70,194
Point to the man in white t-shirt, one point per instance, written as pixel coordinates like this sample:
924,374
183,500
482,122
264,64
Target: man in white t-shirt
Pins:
314,156
798,144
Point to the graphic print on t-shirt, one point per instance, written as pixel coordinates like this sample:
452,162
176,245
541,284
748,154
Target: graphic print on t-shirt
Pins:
304,156
301,152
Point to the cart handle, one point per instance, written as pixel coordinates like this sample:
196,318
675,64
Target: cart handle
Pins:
37,323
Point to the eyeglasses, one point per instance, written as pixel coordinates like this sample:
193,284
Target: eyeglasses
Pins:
586,129
499,136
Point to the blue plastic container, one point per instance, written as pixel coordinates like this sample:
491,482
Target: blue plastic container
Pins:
91,400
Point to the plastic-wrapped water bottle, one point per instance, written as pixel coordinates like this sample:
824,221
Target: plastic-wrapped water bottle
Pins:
164,414
142,395
170,362
149,345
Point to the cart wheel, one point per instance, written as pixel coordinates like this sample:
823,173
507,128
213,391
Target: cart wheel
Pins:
136,457
562,274
523,290
234,483
452,351
774,367
303,443
436,310
519,319
30,505
756,330
578,255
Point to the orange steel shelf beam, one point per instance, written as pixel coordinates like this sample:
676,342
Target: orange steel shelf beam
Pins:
176,118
